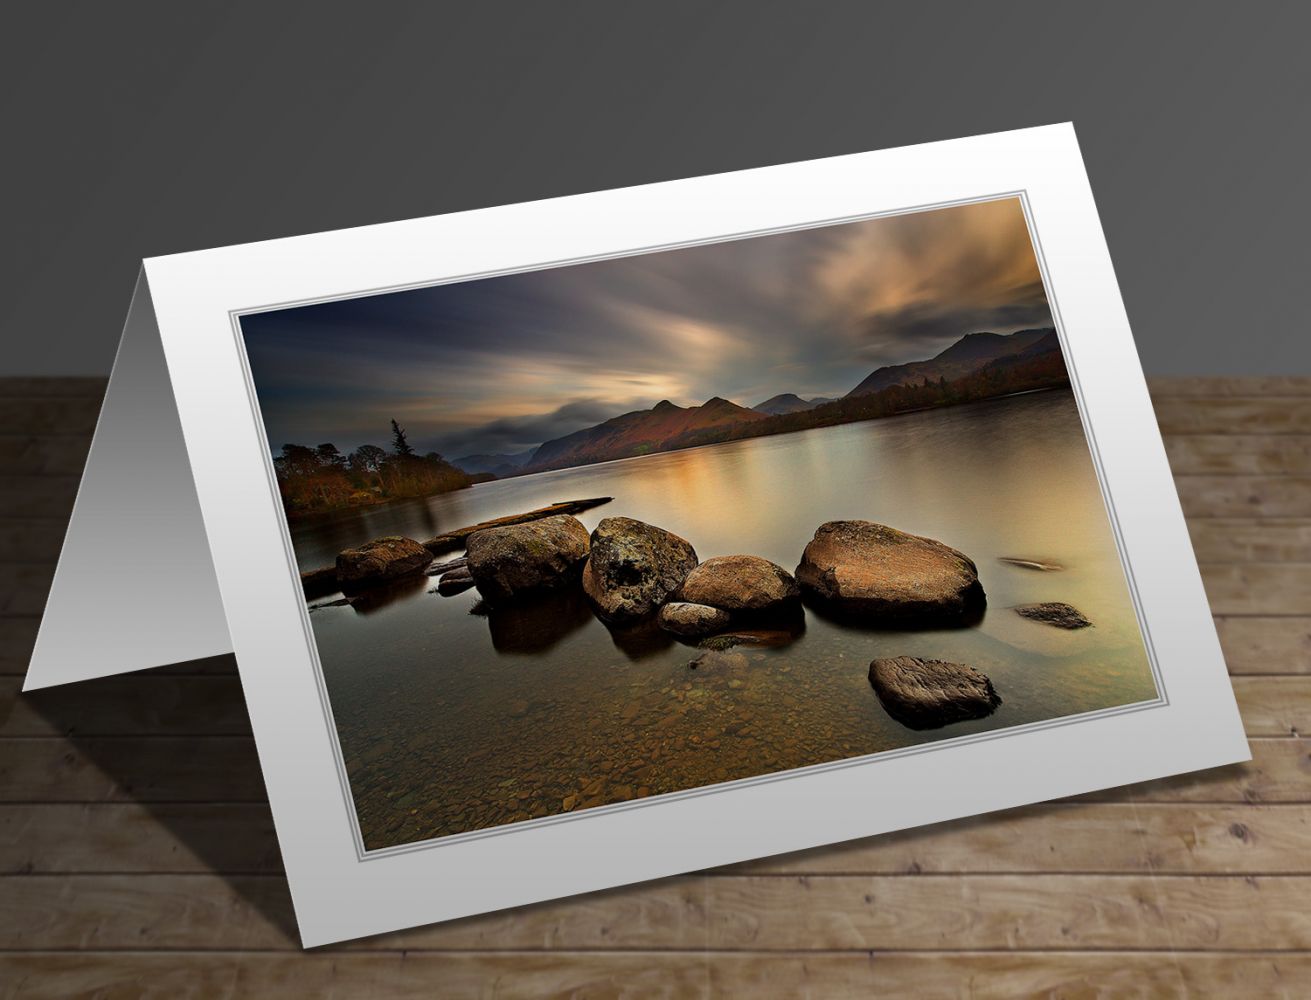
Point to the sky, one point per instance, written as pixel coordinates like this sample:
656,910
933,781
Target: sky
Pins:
500,365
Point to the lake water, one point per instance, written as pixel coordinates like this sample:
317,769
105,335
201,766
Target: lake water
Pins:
451,722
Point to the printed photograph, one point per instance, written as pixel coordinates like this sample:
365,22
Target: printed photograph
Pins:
598,533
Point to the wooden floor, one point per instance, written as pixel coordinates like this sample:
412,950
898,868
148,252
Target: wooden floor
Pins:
138,856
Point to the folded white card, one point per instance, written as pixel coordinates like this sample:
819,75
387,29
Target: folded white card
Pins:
593,540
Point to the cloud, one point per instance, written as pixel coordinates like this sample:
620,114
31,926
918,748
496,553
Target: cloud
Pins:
502,364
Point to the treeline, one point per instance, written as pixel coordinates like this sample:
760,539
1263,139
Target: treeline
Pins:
322,478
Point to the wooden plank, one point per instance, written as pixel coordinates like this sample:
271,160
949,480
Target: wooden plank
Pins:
758,913
29,386
1251,540
48,415
1069,837
30,540
50,455
1233,415
980,976
24,587
17,637
136,768
1076,837
973,912
1164,386
135,838
1279,771
1244,496
674,974
1239,454
49,497
206,911
1257,588
1266,645
1274,706
141,705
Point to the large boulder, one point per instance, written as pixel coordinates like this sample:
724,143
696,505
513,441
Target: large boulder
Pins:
927,694
692,620
524,559
379,561
633,567
747,587
877,574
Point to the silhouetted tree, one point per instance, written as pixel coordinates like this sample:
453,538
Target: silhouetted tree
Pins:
400,443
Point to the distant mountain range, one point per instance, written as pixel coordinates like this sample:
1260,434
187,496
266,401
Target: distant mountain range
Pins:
665,427
638,433
497,465
967,355
789,402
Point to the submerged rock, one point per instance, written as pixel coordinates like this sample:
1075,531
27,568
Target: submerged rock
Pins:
1054,613
744,586
682,618
633,567
750,637
457,581
718,661
1041,565
519,560
877,574
380,561
927,694
437,569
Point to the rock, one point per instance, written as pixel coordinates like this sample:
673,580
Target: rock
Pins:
1041,565
523,559
633,567
682,618
750,637
745,586
880,575
319,582
1054,613
716,661
457,581
927,694
379,561
437,569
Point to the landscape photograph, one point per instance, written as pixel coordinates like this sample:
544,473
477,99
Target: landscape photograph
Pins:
588,535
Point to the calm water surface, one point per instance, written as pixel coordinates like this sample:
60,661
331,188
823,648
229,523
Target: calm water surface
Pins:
451,722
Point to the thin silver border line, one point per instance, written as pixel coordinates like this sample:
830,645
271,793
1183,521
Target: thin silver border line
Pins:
363,854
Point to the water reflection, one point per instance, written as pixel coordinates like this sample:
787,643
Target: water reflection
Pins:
444,730
538,625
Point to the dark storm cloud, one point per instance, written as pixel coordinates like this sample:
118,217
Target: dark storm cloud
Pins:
504,363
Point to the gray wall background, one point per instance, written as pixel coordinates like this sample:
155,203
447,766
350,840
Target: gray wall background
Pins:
135,129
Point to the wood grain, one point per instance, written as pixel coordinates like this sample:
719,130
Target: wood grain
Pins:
505,975
759,913
1233,415
138,857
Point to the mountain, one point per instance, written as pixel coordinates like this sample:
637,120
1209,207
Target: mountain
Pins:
640,432
788,402
498,465
966,356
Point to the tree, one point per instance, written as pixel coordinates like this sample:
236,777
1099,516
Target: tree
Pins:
367,458
400,444
330,456
297,460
